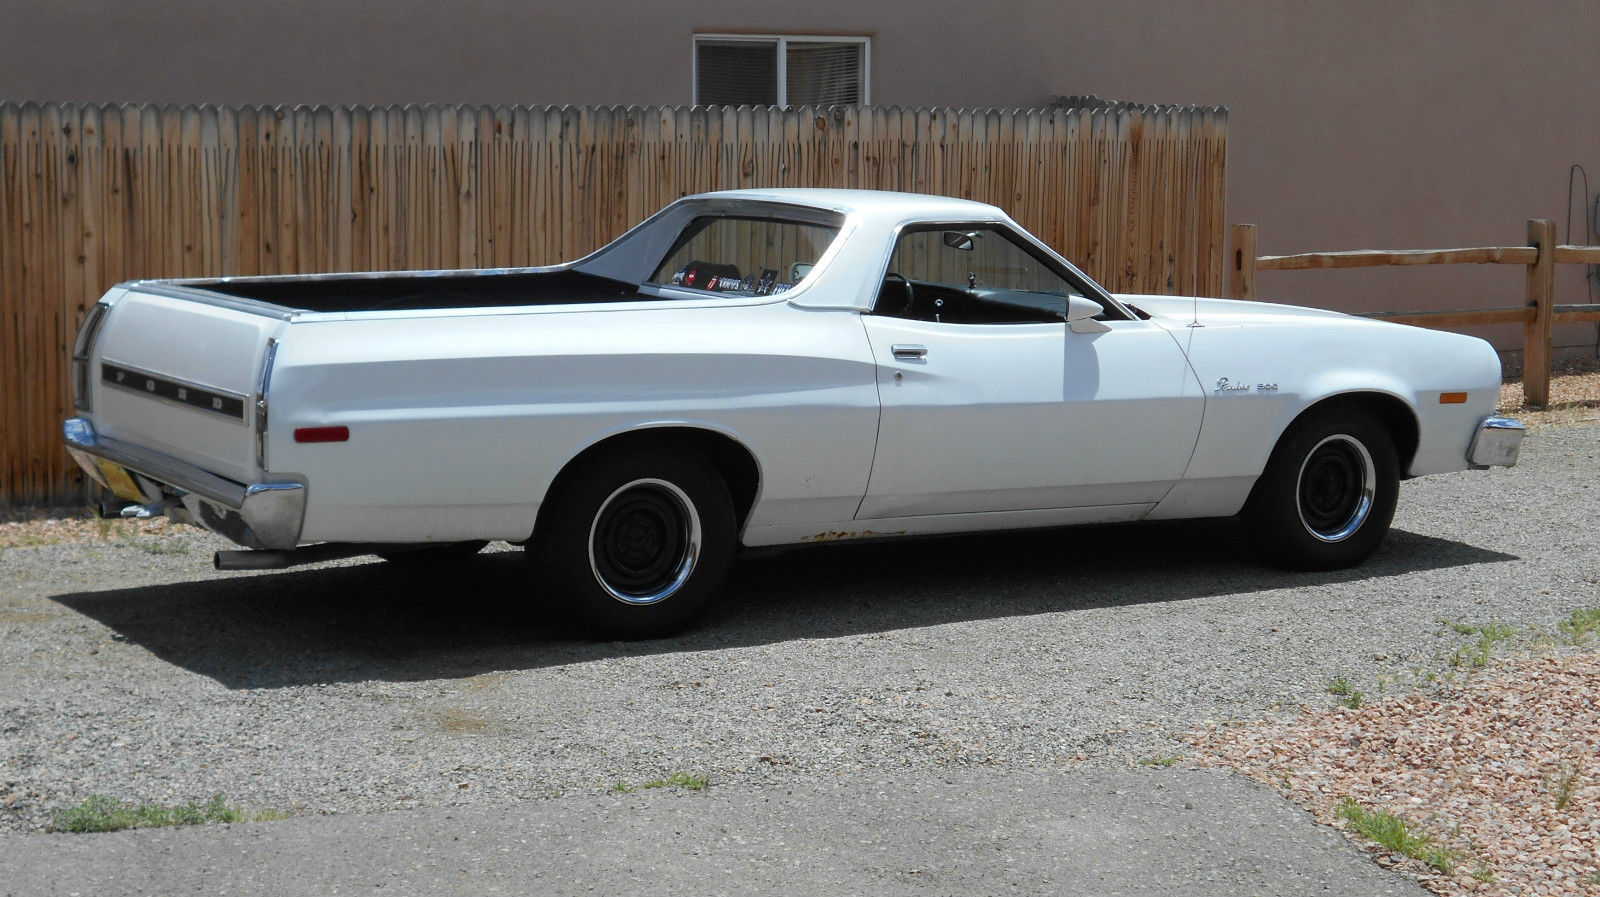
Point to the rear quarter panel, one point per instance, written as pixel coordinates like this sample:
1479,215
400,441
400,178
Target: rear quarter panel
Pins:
459,423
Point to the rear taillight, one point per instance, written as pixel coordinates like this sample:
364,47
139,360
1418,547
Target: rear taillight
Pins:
262,383
322,434
82,351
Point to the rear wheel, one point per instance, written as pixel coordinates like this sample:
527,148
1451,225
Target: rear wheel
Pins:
638,544
1328,493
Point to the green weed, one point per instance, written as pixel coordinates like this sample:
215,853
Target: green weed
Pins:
1564,784
1477,655
1162,762
1348,695
1582,624
1396,834
684,780
104,527
99,813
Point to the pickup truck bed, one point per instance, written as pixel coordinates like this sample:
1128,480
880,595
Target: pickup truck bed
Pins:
413,291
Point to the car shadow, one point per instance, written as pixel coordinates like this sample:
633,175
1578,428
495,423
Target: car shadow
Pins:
382,622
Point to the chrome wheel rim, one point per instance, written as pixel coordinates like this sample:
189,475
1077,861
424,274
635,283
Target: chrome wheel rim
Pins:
644,541
1336,488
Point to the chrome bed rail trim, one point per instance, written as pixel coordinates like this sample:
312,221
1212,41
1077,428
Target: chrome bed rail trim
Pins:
220,300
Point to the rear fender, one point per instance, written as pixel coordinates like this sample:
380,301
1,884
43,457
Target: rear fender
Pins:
729,453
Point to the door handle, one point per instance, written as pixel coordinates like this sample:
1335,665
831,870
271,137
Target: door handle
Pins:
909,352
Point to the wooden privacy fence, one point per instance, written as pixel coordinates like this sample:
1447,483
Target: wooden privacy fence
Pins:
93,195
1538,315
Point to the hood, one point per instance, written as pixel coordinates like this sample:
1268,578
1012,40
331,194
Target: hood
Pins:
1179,310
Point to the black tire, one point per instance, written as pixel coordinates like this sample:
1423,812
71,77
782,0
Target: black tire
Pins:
637,545
1328,493
433,555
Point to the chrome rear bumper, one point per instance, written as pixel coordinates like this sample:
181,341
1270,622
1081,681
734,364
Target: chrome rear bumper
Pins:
1496,443
258,515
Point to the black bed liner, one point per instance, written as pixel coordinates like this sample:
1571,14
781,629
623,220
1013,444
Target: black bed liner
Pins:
424,291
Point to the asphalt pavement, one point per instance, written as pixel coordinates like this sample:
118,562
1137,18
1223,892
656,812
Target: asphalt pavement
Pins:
1081,831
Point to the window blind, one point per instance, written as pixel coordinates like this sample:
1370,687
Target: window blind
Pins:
823,74
737,73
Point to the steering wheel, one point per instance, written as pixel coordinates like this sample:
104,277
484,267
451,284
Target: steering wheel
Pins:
906,310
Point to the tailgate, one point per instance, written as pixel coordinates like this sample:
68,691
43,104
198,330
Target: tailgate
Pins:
179,375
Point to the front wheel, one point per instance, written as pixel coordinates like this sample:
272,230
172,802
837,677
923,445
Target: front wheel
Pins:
1328,493
638,544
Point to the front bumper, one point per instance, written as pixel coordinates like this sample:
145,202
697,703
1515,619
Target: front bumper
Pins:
257,515
1496,443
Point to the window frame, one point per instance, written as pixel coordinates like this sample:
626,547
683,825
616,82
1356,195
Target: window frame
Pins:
1024,241
781,43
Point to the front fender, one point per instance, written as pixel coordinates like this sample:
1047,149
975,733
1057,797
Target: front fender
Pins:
1275,371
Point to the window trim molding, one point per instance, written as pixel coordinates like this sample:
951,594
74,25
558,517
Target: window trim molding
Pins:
781,42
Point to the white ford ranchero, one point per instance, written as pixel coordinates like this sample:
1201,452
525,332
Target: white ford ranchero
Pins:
756,368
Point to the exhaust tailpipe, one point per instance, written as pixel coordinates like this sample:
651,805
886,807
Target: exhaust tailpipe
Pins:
274,559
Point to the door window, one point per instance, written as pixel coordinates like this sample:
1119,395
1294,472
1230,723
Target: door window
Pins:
971,275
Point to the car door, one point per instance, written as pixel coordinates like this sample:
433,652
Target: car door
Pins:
990,403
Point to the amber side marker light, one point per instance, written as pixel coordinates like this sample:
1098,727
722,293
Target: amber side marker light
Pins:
1452,398
322,434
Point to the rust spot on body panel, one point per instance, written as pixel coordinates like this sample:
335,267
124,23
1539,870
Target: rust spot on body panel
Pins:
839,535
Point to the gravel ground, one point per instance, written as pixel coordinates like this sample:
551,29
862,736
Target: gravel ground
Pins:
1499,769
1574,395
132,669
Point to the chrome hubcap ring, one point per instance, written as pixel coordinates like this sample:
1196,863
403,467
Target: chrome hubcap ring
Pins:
1336,488
644,541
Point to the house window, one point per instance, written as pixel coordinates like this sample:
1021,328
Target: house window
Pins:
780,70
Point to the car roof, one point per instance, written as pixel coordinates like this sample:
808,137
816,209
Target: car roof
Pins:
869,203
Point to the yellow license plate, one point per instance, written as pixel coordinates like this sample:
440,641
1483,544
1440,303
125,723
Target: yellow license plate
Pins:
120,481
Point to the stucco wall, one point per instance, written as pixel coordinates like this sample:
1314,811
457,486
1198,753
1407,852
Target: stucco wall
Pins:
1355,123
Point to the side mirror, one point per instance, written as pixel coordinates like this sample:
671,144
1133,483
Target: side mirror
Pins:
799,270
1081,313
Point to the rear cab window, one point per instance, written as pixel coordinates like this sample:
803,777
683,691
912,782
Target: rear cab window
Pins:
743,255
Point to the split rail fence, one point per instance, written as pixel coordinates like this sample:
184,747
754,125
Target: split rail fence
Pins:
1538,315
94,195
